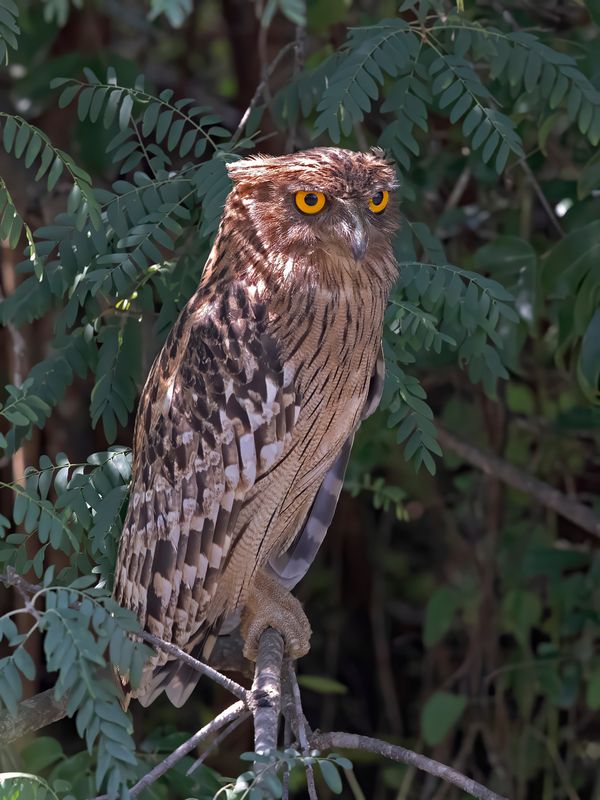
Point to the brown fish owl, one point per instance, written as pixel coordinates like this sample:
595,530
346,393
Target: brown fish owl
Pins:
247,418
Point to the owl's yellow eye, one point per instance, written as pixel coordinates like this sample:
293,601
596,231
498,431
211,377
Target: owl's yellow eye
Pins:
379,201
310,202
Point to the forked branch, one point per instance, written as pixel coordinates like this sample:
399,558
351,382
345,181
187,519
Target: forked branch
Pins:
264,701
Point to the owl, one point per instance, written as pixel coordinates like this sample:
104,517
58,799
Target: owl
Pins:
248,415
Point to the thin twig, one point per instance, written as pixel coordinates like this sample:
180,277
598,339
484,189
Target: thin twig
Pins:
354,785
299,46
222,719
287,741
266,691
10,577
301,730
217,741
199,666
547,495
25,596
351,741
457,192
543,199
260,90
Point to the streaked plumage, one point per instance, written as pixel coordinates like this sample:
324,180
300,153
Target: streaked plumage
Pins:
248,415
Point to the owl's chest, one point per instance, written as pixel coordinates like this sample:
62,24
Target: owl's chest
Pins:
333,354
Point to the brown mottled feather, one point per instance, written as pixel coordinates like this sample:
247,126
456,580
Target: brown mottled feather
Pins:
247,418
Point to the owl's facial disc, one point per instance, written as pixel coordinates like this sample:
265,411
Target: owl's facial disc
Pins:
348,222
356,235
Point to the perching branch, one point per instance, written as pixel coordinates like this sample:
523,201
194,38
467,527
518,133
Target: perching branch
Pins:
264,701
351,741
547,495
266,691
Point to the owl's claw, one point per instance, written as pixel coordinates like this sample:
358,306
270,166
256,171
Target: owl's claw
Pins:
271,606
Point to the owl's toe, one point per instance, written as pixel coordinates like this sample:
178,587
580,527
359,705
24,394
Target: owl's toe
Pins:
272,606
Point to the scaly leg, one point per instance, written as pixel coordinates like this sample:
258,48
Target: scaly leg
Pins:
269,605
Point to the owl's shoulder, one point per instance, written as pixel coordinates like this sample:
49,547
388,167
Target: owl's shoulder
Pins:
219,345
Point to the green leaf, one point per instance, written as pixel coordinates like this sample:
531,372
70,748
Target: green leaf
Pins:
24,663
440,714
588,367
322,684
513,262
521,611
10,131
56,171
41,753
439,614
331,776
68,95
589,178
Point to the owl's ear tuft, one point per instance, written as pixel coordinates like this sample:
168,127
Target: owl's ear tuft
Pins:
378,152
249,170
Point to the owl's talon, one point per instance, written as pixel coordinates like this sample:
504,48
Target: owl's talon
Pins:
271,606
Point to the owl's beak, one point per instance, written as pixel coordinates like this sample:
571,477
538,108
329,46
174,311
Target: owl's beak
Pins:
359,239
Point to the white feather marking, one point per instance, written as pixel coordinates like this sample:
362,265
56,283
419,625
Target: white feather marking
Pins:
271,391
202,567
180,617
248,457
232,475
216,555
288,267
168,397
189,574
288,373
269,454
189,506
163,588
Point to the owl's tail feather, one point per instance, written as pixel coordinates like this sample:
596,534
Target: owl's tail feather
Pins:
175,678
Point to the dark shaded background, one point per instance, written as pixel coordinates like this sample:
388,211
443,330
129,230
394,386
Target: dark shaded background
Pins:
466,588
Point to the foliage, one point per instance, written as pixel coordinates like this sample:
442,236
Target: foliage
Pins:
81,626
9,28
458,97
262,782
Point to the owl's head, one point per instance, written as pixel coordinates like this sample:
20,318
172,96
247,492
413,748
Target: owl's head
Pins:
320,203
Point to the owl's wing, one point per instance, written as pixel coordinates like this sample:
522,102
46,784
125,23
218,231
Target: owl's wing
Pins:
215,415
290,567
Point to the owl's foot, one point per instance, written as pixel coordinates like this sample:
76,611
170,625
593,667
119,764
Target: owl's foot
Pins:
269,605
